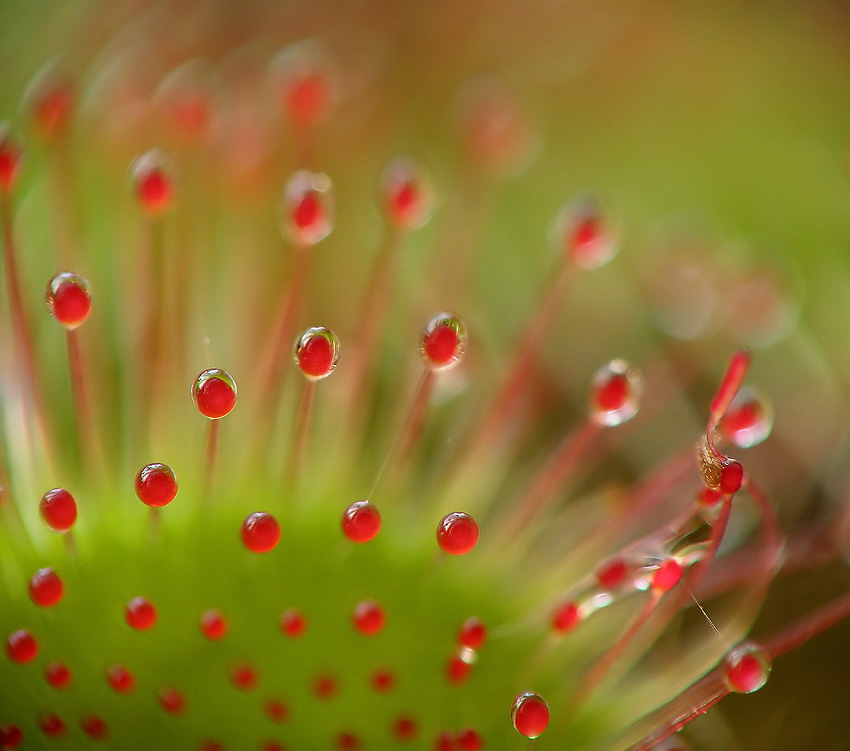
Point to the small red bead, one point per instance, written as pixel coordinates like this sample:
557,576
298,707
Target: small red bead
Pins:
94,727
154,186
361,521
612,574
272,746
140,614
325,687
156,485
171,700
308,98
347,742
52,104
21,646
405,729
530,715
369,618
68,298
52,725
731,477
58,509
408,196
457,670
746,668
667,575
214,393
469,739
57,674
293,623
46,588
11,737
208,744
120,679
276,711
443,341
317,352
613,393
383,681
213,625
457,533
244,677
308,207
472,634
566,618
260,532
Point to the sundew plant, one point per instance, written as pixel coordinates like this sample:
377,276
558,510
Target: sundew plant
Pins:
442,376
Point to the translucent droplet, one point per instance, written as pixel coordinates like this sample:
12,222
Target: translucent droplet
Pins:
443,341
746,668
49,99
748,420
307,212
457,533
530,715
303,82
214,393
615,393
408,193
153,181
316,352
587,241
68,298
497,134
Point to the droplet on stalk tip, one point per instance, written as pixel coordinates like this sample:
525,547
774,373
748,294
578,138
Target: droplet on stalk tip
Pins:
530,715
57,675
746,668
58,509
301,78
719,473
21,646
308,208
68,298
140,614
457,533
214,393
443,341
587,242
748,419
615,393
369,618
317,352
156,485
293,623
46,588
408,193
120,679
153,182
49,99
260,532
213,625
361,521
472,634
171,700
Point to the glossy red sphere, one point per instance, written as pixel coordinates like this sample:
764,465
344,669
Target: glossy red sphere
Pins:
260,532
